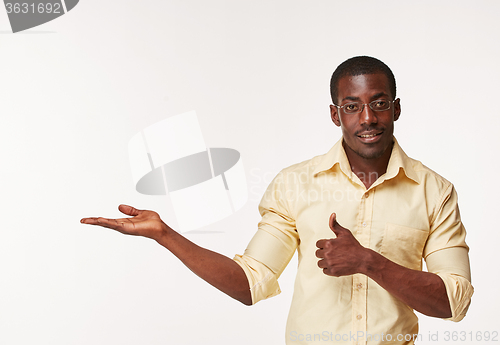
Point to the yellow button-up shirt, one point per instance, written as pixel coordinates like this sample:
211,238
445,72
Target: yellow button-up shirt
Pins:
409,213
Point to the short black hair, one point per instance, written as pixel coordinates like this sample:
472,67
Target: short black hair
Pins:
360,65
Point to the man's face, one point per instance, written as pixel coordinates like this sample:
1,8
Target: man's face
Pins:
367,134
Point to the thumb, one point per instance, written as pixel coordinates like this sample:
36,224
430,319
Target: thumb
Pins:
335,226
129,210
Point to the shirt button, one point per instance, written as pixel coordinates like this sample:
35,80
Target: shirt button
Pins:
359,316
359,286
366,195
364,225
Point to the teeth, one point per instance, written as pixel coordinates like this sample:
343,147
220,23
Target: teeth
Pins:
368,135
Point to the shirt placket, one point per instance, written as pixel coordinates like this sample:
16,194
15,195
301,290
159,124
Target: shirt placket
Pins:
360,281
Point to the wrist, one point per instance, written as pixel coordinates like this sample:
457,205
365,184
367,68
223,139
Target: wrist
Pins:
164,234
368,261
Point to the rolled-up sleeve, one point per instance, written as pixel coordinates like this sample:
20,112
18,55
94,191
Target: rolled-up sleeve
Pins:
262,281
274,244
446,254
452,266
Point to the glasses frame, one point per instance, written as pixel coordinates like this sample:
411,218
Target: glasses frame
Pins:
363,106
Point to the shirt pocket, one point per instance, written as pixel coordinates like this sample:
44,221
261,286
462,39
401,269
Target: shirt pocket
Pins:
404,245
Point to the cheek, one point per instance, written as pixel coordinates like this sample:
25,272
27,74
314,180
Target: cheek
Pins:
348,126
348,136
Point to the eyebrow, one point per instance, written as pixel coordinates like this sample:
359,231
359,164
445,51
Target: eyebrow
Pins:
350,98
375,96
380,94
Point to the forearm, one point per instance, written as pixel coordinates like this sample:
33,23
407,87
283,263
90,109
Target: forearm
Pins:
422,291
216,269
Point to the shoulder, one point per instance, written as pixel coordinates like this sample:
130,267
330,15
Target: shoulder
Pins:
301,171
416,170
427,175
437,188
304,166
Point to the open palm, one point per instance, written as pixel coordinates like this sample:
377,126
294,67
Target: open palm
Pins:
143,223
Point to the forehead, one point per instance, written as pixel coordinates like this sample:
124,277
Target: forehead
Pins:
363,87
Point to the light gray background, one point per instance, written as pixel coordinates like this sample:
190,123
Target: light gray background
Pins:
74,91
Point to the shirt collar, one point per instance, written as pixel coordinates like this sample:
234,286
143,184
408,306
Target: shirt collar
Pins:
398,161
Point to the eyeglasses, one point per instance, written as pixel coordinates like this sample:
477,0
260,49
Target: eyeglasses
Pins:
357,107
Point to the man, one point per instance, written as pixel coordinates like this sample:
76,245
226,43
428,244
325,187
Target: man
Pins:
364,213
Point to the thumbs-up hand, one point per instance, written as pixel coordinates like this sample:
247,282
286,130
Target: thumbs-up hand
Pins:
342,255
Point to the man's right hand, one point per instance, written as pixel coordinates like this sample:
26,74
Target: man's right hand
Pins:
220,271
143,223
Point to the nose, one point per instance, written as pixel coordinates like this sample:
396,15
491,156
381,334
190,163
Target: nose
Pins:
367,116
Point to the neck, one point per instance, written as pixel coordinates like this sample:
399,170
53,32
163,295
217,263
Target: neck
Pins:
368,170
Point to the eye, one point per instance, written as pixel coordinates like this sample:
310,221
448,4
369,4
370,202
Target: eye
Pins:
351,107
381,104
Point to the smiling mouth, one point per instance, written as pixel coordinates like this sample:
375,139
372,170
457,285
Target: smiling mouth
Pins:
369,135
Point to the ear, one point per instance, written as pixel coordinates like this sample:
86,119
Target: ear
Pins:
397,109
334,113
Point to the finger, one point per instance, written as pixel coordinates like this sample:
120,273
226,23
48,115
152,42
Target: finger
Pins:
123,225
129,210
321,243
332,221
126,209
322,264
89,220
320,253
104,222
335,226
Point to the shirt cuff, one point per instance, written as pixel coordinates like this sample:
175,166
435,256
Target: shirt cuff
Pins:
459,292
262,281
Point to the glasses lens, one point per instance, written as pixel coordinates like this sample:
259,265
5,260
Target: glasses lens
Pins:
380,105
352,108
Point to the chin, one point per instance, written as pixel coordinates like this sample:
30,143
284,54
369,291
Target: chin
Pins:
375,152
371,155
370,152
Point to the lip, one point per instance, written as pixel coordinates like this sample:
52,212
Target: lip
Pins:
370,137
